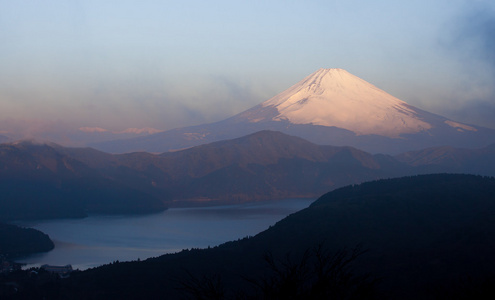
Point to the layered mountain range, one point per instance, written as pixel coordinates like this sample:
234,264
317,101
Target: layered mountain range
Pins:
47,180
329,107
419,230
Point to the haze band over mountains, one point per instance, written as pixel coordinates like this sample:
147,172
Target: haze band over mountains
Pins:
328,107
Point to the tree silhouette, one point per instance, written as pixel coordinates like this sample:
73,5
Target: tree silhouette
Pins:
317,273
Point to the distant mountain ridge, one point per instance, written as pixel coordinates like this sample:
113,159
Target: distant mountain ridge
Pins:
260,166
449,159
40,181
68,136
266,165
328,107
50,181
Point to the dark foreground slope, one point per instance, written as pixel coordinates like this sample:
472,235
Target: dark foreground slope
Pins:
422,232
424,235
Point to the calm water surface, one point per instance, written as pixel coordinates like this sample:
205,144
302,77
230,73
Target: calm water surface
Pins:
97,240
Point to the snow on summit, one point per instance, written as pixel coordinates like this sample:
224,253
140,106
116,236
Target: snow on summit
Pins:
329,107
334,97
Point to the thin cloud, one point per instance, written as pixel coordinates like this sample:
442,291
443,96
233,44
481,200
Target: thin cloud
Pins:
473,36
470,39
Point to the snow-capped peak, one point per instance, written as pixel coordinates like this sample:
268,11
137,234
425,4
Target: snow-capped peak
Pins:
334,97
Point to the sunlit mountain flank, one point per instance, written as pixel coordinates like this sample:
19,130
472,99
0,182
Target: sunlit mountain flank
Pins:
328,107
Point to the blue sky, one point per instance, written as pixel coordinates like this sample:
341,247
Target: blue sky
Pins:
164,64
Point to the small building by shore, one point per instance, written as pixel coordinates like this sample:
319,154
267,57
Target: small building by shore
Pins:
62,271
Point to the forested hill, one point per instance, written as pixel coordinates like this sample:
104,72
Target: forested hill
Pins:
423,232
17,241
430,236
424,189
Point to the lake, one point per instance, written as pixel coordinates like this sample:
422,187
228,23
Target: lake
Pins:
98,239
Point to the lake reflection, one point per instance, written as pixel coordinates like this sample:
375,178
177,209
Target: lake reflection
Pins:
98,240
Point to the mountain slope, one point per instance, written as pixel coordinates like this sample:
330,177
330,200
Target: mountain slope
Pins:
449,159
265,165
260,166
421,231
38,181
334,97
329,107
423,234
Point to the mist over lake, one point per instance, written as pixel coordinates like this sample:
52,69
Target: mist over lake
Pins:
98,239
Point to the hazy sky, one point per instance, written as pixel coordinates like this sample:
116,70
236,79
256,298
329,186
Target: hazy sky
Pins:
166,64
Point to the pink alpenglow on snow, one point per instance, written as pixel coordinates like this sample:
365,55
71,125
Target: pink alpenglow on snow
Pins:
334,97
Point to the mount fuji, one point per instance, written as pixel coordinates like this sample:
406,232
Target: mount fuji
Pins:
328,107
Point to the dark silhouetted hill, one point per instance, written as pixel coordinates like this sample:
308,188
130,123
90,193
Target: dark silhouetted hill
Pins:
423,235
17,241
